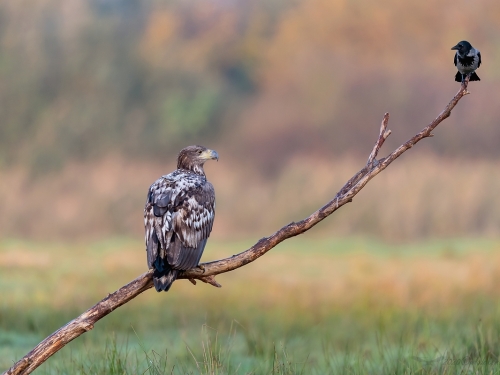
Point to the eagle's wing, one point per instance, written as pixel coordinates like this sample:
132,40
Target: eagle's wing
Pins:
479,56
192,224
178,217
455,60
158,217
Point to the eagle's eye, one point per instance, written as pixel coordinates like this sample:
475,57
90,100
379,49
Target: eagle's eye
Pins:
199,152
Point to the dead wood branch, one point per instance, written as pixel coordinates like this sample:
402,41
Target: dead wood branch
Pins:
207,271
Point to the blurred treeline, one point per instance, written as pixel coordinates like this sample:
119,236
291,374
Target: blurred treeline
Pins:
264,82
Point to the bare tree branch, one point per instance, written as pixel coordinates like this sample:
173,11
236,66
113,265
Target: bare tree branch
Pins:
206,271
381,139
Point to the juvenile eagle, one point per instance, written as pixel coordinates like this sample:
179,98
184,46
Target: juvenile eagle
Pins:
178,217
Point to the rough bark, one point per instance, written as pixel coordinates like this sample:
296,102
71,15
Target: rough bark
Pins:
207,271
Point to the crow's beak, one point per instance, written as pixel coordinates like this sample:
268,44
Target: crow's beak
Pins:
455,47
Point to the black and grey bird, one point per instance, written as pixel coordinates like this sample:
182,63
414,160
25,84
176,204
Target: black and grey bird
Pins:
178,217
467,60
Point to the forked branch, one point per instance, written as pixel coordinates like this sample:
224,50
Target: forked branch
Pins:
207,271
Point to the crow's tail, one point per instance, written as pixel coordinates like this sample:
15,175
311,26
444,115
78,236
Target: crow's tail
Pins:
459,77
474,77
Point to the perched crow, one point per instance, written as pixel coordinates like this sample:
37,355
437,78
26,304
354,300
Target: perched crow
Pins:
467,60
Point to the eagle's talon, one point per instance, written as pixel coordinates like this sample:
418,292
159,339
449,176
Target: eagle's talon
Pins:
201,267
192,281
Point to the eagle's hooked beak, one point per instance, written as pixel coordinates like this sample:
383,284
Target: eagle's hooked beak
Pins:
210,155
457,47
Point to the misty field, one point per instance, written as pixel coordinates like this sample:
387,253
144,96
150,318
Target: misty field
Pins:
310,306
98,97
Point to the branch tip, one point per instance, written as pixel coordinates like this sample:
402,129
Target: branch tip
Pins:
383,134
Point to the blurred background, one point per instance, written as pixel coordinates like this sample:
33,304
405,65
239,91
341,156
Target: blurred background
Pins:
99,96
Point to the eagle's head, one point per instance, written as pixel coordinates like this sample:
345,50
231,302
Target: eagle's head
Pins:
192,158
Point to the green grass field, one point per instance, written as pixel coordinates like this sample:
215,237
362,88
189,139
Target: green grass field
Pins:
310,306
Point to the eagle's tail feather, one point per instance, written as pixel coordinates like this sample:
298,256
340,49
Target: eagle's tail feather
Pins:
163,280
458,77
474,77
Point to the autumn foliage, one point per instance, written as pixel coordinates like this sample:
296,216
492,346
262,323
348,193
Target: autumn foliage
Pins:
99,94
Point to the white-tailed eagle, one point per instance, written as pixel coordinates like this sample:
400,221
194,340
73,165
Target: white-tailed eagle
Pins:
178,217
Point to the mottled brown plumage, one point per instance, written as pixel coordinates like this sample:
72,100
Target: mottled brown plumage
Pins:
178,217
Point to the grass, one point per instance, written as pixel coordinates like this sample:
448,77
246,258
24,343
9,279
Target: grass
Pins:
311,306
